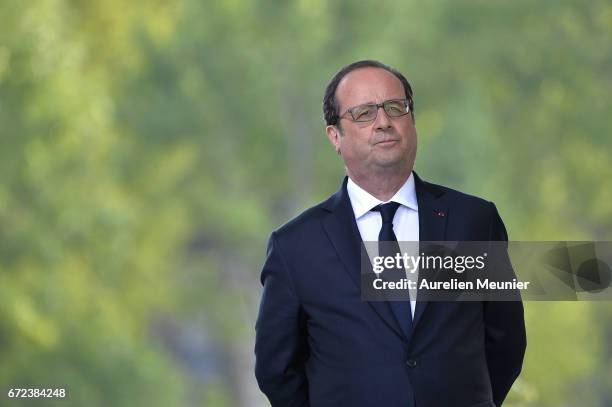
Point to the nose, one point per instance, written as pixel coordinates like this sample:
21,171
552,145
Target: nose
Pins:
382,121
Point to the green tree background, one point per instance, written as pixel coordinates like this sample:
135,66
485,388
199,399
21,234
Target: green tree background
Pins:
148,148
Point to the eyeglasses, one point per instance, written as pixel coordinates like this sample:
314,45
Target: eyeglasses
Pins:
368,112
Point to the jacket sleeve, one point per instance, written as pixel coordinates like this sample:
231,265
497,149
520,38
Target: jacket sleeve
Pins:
505,337
281,342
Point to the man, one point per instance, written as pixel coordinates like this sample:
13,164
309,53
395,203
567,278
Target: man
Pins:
317,343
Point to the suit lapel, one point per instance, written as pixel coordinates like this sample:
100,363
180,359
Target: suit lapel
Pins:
433,216
341,228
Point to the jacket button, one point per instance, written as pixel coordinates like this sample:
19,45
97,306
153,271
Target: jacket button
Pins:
411,363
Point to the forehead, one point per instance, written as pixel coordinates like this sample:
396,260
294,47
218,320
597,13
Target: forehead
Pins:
368,85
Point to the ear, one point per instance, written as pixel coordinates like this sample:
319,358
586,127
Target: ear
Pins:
333,134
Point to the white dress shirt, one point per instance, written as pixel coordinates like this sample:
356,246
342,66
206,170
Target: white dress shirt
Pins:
405,222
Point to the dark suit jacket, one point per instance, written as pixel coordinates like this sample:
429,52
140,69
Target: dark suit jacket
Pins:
318,344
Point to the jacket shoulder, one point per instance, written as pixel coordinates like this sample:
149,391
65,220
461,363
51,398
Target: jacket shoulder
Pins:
304,221
454,197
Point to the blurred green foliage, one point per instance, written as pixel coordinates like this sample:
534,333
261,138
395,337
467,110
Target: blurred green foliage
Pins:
148,148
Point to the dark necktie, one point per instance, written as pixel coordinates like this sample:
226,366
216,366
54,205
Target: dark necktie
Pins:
401,309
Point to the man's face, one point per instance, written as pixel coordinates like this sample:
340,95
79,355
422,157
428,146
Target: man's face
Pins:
386,143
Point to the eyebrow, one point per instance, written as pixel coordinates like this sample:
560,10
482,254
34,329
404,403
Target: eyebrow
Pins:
372,102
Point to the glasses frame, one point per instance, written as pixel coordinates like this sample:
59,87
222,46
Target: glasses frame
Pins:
350,110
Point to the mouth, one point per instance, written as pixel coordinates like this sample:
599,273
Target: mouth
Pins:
384,143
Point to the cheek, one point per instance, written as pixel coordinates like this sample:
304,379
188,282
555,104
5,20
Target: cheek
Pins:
361,148
410,134
354,142
354,152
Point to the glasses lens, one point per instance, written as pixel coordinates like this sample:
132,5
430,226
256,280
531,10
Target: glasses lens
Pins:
395,108
364,113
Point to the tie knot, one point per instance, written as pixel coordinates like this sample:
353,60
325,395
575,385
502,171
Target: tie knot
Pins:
387,211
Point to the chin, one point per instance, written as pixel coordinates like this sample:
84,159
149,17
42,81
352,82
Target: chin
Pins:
389,164
391,158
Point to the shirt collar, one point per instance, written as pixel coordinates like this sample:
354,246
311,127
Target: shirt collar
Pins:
362,201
